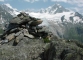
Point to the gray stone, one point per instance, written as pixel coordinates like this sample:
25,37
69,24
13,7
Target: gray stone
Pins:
26,33
35,23
3,41
10,36
44,29
21,18
19,38
16,20
13,30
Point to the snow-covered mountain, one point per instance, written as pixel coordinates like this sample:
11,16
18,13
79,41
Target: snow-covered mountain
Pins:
64,17
55,13
56,8
4,16
10,9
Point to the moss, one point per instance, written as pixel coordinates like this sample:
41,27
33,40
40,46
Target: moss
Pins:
46,40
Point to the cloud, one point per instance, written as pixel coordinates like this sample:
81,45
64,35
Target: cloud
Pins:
77,9
2,0
45,0
31,1
78,3
59,0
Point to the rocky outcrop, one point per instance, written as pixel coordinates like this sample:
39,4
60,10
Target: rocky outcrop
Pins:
27,49
60,49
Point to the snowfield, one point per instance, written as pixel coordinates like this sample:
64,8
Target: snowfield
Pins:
56,18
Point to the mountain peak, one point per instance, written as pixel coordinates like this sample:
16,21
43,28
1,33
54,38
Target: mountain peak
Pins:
56,4
56,8
8,5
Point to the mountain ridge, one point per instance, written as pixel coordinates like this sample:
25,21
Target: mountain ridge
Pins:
56,8
53,11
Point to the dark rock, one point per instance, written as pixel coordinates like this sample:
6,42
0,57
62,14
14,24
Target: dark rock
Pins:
26,33
50,52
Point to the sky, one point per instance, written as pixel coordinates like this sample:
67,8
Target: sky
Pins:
76,5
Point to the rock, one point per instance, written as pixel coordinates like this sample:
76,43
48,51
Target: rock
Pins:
23,51
18,33
12,26
35,23
10,36
14,30
44,29
36,49
60,50
20,19
26,33
18,39
3,41
16,20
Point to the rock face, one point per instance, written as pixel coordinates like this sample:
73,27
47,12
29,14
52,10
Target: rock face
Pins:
28,41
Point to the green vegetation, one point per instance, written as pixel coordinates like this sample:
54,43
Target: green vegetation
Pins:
46,40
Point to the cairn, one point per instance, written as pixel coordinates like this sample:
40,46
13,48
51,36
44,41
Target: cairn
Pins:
21,26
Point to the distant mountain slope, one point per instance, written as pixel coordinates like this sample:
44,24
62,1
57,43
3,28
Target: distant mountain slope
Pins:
4,14
4,17
10,9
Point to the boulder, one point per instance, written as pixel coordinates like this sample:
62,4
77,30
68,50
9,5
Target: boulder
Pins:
18,39
35,23
10,36
26,33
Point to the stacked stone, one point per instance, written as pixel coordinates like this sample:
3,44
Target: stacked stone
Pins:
23,26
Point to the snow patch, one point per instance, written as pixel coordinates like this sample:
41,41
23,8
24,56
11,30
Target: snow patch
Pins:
8,5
